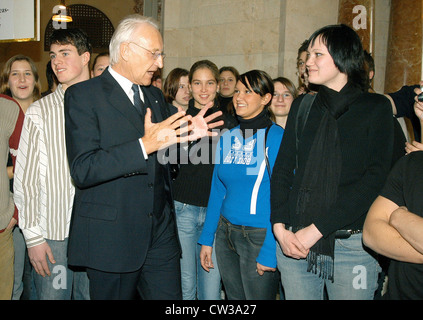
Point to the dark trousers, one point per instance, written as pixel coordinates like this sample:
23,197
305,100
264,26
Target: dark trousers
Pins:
159,278
237,248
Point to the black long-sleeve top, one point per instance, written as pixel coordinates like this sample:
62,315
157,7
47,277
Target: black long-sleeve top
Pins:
366,135
404,103
193,183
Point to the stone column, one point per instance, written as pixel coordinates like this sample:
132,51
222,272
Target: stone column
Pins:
404,56
359,15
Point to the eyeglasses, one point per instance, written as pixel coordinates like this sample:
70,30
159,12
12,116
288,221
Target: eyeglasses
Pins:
156,54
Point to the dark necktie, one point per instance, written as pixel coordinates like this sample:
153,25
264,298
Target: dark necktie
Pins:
139,105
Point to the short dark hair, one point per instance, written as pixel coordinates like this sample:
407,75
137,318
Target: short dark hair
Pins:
369,61
50,75
344,46
369,66
102,54
74,36
258,81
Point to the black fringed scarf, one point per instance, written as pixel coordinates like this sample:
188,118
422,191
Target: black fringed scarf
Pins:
319,186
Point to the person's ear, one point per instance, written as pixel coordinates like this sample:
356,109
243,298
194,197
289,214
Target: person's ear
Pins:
125,51
86,58
267,98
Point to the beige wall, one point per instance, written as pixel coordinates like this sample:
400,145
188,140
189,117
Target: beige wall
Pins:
303,17
248,34
255,34
242,33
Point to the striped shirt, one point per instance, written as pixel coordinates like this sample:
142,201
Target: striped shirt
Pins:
43,190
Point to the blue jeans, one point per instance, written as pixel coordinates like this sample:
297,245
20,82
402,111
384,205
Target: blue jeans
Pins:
196,282
19,263
237,248
23,286
355,275
63,283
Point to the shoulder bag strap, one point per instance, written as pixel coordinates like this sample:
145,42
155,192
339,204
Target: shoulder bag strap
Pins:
302,115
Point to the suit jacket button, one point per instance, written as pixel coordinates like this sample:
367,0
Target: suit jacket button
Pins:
150,215
151,185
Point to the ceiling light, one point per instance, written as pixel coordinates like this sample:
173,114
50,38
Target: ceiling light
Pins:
62,13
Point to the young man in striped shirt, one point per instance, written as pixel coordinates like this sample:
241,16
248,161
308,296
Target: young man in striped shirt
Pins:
43,190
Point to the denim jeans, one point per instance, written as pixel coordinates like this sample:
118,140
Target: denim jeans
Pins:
63,283
237,248
196,282
19,263
23,286
355,275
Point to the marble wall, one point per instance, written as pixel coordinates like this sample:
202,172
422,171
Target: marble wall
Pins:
263,34
242,33
359,14
303,17
404,58
247,34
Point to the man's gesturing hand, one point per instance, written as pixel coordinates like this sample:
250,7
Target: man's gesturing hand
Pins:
178,128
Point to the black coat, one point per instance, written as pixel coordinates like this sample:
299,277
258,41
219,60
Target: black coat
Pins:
366,134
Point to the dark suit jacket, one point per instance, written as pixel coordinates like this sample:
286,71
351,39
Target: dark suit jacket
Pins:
113,206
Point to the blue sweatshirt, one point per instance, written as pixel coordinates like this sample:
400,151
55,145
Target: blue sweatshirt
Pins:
240,189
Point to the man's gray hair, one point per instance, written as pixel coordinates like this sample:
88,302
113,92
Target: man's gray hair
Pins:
124,33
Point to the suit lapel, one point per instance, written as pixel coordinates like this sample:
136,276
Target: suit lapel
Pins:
152,102
120,101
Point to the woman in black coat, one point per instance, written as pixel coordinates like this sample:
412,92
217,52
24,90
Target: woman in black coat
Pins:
324,183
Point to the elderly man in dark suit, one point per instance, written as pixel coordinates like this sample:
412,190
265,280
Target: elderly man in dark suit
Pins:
123,227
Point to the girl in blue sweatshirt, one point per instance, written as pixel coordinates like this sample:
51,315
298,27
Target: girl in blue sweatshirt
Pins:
238,212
